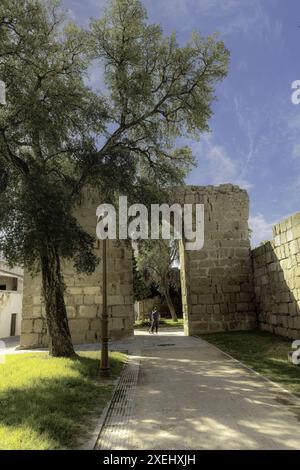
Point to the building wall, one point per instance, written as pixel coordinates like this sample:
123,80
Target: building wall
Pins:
276,266
9,282
216,281
10,300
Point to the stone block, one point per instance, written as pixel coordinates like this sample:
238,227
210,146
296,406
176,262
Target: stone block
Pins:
74,290
78,327
91,290
39,325
89,300
78,299
27,326
71,311
88,311
116,300
29,341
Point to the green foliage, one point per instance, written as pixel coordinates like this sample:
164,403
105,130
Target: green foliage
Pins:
35,215
140,290
53,124
158,91
46,127
58,137
155,263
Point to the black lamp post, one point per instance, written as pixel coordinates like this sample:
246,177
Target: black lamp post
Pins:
2,93
104,365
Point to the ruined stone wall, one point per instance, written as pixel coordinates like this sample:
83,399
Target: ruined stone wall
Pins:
145,306
276,266
216,282
84,293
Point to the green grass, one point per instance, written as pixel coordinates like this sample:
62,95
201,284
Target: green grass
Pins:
49,403
163,323
264,352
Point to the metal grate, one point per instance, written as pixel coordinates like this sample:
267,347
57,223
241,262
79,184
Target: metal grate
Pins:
115,431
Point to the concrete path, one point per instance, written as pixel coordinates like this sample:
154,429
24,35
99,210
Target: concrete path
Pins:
9,344
189,395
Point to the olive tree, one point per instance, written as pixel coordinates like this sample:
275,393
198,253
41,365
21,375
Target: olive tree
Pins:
156,262
57,136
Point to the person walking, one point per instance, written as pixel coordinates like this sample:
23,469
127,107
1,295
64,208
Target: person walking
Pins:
154,321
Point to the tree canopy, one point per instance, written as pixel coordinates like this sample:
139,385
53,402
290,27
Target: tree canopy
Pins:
59,136
156,264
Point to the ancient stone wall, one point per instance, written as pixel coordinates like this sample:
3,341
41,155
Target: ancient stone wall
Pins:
84,293
144,307
276,266
216,281
217,284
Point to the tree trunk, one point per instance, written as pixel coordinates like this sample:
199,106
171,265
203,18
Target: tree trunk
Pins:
60,342
141,312
170,305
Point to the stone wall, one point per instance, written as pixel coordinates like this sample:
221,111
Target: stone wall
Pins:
84,293
144,307
216,282
276,266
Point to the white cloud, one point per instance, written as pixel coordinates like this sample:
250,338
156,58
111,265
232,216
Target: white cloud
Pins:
220,165
261,229
251,17
247,127
185,7
296,151
81,12
230,16
294,121
215,166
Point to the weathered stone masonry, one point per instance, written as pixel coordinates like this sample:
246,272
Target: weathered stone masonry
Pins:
84,294
217,284
276,266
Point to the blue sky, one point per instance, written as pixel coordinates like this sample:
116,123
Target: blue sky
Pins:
255,131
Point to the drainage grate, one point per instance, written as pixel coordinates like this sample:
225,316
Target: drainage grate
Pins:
166,344
116,428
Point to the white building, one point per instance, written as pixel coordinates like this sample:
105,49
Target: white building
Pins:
11,293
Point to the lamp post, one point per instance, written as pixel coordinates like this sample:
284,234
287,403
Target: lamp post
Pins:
104,365
2,93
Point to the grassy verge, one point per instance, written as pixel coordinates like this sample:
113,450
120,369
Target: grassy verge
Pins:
145,324
264,352
50,403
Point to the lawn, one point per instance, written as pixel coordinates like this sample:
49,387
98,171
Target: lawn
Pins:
264,352
163,323
50,403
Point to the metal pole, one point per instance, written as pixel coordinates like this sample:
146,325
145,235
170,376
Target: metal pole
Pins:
104,368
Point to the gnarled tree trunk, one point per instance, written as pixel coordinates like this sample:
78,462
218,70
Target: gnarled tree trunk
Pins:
170,304
60,342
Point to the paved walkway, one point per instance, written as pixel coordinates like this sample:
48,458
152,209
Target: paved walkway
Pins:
189,395
183,393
